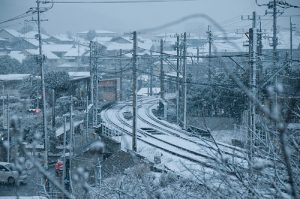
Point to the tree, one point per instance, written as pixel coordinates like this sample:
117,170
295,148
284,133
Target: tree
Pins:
31,66
31,87
9,65
57,80
91,35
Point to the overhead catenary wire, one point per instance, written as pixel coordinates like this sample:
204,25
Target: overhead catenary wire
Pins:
117,2
21,16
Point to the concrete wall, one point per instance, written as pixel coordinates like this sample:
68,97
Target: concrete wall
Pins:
111,145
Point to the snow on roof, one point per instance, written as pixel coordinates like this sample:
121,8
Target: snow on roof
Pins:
48,54
60,130
63,37
144,91
120,39
13,32
50,49
76,51
32,41
98,31
170,52
118,46
143,77
33,35
57,47
18,55
144,52
66,65
79,74
102,39
2,39
13,77
173,74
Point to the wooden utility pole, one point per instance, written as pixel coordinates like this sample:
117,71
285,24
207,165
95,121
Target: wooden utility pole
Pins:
184,83
53,109
275,40
92,54
87,118
64,151
161,76
253,55
198,52
134,97
177,78
121,75
41,60
71,130
3,106
97,89
292,28
8,130
209,52
151,75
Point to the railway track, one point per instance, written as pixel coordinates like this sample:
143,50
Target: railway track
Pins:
166,149
157,142
179,133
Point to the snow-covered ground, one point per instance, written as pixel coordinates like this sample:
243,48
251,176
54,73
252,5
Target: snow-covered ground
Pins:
172,147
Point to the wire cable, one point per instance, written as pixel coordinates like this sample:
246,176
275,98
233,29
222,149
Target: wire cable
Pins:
120,2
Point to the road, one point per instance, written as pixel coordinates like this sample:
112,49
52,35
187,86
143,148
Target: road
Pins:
33,186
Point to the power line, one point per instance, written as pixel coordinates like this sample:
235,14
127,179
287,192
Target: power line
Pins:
119,2
21,16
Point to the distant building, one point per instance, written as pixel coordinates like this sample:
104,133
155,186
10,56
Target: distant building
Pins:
99,33
109,89
12,82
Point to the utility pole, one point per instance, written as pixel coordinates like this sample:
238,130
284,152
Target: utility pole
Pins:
161,77
121,75
134,100
53,109
3,105
253,55
292,28
8,126
274,12
209,52
92,57
177,78
94,53
184,82
275,40
71,129
198,52
87,119
260,74
151,75
97,90
41,59
64,152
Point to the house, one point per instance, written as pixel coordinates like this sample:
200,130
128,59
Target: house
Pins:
99,33
18,55
18,41
109,89
12,82
9,34
61,39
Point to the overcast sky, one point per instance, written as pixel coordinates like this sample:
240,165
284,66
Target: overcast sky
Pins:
128,17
